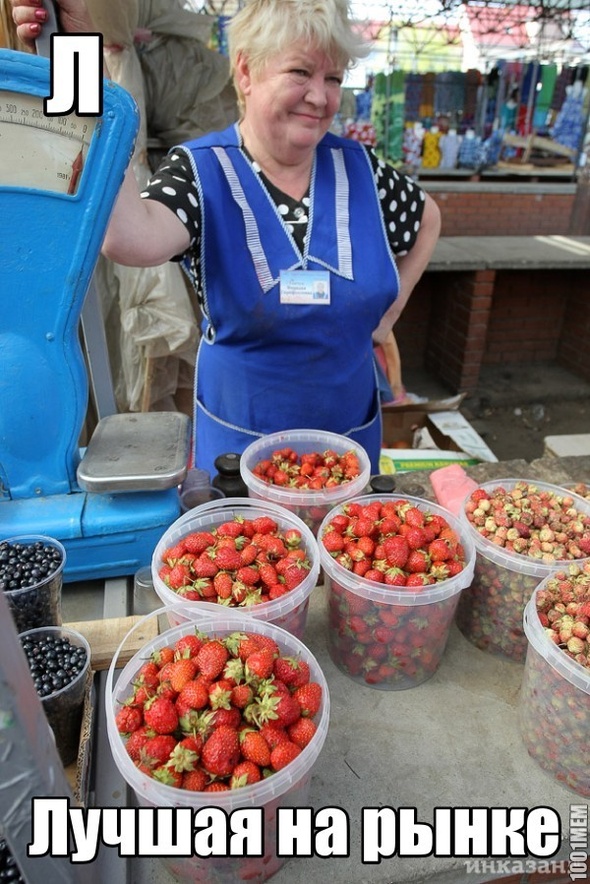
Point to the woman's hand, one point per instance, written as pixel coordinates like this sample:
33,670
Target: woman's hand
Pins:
29,17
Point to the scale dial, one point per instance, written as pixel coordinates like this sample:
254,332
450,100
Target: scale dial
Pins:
44,153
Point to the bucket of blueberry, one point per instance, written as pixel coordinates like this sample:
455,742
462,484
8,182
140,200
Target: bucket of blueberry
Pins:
59,660
31,576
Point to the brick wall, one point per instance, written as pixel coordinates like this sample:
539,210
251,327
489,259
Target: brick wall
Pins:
456,321
483,212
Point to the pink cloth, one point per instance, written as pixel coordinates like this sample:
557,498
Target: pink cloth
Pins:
451,486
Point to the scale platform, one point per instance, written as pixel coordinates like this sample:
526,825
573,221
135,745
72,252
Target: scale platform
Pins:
59,179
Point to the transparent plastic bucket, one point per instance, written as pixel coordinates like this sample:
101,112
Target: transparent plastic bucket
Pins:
554,707
418,621
288,787
310,506
490,612
288,611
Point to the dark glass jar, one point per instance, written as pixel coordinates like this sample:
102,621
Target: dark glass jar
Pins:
382,484
228,478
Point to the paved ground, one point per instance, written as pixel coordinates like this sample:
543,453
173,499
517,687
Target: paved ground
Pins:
516,406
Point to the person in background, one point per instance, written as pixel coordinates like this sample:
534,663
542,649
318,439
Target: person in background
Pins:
274,195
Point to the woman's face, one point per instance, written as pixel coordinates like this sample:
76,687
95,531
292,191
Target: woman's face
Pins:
291,102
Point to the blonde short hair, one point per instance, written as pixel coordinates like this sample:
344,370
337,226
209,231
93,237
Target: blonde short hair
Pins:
265,28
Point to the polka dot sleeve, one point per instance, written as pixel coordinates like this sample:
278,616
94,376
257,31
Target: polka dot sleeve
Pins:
402,203
401,198
174,185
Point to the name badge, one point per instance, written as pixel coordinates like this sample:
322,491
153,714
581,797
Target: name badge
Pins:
304,287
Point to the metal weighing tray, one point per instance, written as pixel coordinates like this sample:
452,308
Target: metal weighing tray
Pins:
145,451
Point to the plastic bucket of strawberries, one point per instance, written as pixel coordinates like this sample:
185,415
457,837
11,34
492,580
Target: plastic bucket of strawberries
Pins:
523,530
554,710
236,553
394,569
306,471
218,711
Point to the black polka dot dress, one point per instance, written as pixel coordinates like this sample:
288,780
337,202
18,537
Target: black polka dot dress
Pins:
401,200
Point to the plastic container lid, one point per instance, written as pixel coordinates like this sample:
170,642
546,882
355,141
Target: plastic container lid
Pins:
389,595
255,795
522,564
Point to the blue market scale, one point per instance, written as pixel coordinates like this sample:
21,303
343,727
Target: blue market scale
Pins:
59,178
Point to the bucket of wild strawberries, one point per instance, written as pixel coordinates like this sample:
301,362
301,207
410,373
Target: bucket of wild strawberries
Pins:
554,710
523,531
395,568
219,712
249,555
306,471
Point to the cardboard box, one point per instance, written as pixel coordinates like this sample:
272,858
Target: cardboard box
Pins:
435,434
78,772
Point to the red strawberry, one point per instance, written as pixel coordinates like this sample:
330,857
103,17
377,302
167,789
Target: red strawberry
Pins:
264,525
227,558
413,516
229,529
187,646
309,698
223,584
128,719
160,714
248,575
419,579
198,542
273,734
248,554
244,774
254,747
212,658
156,750
173,553
396,550
137,741
302,731
295,574
395,577
241,695
181,672
168,775
284,754
205,566
439,550
268,574
416,537
286,708
221,751
194,695
185,755
292,671
179,576
195,780
265,641
418,561
260,664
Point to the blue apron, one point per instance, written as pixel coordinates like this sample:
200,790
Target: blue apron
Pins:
265,366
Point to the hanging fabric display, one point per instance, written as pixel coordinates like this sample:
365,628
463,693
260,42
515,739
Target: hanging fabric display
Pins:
431,155
544,96
449,149
387,114
412,145
570,119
